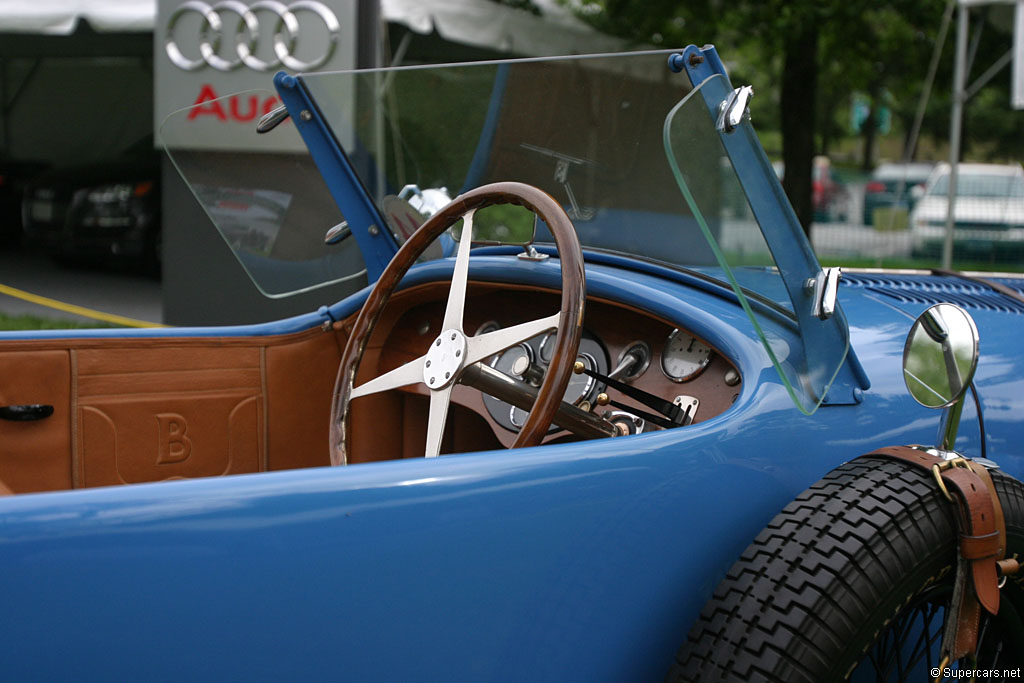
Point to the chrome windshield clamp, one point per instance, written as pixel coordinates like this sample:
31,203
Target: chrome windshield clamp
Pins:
732,111
824,289
530,253
272,120
339,233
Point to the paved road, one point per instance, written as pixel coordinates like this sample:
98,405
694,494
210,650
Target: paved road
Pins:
124,294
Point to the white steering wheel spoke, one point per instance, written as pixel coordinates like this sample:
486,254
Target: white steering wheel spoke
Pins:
491,343
436,419
404,375
457,294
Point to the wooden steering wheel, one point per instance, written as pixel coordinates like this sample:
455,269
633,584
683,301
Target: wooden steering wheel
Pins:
441,367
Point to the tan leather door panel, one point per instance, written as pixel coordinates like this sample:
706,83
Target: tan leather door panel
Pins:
149,414
36,455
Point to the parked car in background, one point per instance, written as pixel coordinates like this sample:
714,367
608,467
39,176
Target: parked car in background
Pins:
896,185
830,197
102,212
14,175
989,212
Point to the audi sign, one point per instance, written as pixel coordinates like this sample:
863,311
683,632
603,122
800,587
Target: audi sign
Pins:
205,51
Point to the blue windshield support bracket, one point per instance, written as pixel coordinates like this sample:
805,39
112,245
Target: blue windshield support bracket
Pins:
482,154
365,220
826,340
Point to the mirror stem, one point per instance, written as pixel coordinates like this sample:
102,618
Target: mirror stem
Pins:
949,424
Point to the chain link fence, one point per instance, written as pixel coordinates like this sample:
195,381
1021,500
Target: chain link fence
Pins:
896,217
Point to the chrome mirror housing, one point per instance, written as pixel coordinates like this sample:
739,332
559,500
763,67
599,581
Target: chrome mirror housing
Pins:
939,360
427,202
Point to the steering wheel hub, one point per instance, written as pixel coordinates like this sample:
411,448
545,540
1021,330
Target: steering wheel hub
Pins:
445,358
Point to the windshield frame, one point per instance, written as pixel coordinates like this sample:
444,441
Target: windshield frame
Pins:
825,341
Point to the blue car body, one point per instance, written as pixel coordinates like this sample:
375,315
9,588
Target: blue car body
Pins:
579,561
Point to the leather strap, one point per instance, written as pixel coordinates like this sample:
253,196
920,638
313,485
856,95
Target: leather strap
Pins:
982,531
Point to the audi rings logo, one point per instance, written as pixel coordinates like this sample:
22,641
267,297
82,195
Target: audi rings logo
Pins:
246,23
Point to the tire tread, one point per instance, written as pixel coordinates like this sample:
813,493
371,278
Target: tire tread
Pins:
826,572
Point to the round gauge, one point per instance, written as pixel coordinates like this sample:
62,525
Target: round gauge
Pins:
529,361
580,388
489,326
517,417
684,356
514,361
547,347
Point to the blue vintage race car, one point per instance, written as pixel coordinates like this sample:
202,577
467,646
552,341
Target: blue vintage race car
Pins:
637,372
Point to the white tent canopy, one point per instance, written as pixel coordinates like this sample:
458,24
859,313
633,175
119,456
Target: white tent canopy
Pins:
480,23
61,17
501,28
68,66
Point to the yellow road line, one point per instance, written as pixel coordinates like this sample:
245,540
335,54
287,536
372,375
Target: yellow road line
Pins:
77,310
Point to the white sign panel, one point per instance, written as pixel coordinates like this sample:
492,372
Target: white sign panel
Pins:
205,52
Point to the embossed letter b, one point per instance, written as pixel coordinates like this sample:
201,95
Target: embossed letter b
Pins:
175,446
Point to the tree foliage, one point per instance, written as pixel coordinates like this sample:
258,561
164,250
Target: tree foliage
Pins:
813,55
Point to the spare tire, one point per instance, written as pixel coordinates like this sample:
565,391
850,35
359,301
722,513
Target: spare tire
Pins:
850,582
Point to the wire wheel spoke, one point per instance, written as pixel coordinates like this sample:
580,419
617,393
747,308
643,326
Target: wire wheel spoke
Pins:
908,648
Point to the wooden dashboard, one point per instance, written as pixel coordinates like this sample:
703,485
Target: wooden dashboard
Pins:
412,320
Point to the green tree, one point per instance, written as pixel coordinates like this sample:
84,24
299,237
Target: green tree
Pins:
816,53
830,49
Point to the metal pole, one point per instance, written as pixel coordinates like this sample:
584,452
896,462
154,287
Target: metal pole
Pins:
955,124
4,128
933,67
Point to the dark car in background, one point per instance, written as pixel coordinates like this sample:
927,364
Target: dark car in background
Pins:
895,185
102,212
14,176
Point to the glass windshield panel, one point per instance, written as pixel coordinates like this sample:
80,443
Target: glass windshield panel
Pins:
713,190
592,131
585,129
265,197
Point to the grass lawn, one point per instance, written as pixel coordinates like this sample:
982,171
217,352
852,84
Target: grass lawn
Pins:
32,322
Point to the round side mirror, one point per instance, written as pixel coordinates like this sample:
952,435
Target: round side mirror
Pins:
940,356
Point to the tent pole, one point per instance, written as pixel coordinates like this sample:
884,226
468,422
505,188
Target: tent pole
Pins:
955,125
3,107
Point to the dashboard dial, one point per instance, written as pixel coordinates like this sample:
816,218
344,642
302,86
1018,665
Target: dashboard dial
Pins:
684,356
580,387
514,361
529,361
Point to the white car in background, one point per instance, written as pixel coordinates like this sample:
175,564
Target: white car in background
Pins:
989,211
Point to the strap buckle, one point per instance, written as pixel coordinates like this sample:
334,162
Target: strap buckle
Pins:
940,467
